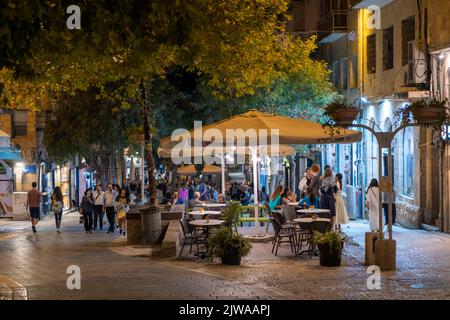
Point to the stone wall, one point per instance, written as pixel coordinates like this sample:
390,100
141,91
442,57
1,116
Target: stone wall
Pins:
408,215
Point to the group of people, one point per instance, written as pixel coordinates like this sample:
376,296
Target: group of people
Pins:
115,202
324,192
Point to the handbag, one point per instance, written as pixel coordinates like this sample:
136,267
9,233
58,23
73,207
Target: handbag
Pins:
121,213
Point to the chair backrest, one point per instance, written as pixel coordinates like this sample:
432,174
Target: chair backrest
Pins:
279,217
289,212
276,224
187,228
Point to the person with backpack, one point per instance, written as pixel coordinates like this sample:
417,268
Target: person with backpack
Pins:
57,207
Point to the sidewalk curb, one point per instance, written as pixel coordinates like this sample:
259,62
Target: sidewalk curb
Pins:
12,290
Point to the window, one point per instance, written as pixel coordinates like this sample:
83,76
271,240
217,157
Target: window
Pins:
408,161
408,34
371,54
344,73
388,48
19,123
354,71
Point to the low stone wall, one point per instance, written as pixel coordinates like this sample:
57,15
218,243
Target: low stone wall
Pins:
166,215
171,242
409,216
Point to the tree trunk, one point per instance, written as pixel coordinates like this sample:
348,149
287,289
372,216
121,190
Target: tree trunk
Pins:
117,168
147,119
124,167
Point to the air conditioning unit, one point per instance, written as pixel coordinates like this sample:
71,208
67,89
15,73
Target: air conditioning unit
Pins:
417,65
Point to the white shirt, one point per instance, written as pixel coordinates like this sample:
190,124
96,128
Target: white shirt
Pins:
110,198
99,199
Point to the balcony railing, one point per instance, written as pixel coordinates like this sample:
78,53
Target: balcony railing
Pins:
333,26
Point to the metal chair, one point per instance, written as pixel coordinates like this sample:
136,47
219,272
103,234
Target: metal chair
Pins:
189,233
281,234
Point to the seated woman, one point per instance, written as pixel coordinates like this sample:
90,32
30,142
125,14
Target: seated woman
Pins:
309,200
275,198
288,196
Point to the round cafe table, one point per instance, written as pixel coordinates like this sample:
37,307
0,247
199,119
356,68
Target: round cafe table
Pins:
309,220
204,213
207,225
212,205
313,211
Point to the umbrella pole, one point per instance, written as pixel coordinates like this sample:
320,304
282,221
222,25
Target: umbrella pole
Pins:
222,165
255,187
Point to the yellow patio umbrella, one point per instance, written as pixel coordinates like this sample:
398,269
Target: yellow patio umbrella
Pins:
278,130
279,150
191,169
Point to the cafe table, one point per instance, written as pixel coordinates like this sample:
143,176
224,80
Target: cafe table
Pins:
309,220
202,213
313,211
207,224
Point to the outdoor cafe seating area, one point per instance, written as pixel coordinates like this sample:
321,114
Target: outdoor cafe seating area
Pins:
289,226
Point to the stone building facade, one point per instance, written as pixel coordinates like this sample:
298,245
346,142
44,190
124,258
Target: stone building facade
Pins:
379,62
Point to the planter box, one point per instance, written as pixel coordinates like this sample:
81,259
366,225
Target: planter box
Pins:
427,115
345,116
329,258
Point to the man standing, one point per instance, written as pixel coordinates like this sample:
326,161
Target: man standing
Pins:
110,198
99,206
34,198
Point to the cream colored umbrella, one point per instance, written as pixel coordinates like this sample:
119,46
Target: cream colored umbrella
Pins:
207,169
278,150
242,128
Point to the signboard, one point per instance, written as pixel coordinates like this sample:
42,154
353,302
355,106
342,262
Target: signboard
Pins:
445,132
30,169
385,184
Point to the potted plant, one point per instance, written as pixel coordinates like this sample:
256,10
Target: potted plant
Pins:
227,243
341,112
425,111
330,246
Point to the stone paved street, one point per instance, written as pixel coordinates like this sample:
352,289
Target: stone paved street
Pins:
111,271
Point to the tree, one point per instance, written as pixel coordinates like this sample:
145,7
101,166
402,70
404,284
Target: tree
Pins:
237,47
93,129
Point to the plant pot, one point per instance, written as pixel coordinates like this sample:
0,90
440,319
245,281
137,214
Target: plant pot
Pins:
329,258
233,258
345,116
426,115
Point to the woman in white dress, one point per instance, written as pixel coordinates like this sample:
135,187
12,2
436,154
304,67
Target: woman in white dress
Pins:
341,210
373,203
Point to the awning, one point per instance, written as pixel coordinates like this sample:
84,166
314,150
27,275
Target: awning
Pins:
10,153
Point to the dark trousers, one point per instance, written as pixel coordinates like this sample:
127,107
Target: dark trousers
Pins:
327,201
98,215
110,215
87,221
386,213
58,217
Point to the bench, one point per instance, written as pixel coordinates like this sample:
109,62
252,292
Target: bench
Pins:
171,241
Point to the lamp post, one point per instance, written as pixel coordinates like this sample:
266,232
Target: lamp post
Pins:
385,250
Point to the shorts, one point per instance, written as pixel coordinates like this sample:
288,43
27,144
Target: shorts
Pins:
34,213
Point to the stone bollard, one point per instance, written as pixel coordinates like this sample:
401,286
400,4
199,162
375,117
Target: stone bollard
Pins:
134,226
385,254
371,238
151,224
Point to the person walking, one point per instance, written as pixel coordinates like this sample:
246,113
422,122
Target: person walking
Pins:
315,180
327,189
110,198
99,206
341,210
305,182
122,206
373,204
87,207
57,207
34,198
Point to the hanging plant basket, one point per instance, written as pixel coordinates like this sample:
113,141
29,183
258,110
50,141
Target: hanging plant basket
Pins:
427,115
341,113
345,116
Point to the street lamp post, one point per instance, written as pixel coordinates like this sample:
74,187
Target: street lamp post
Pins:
385,250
